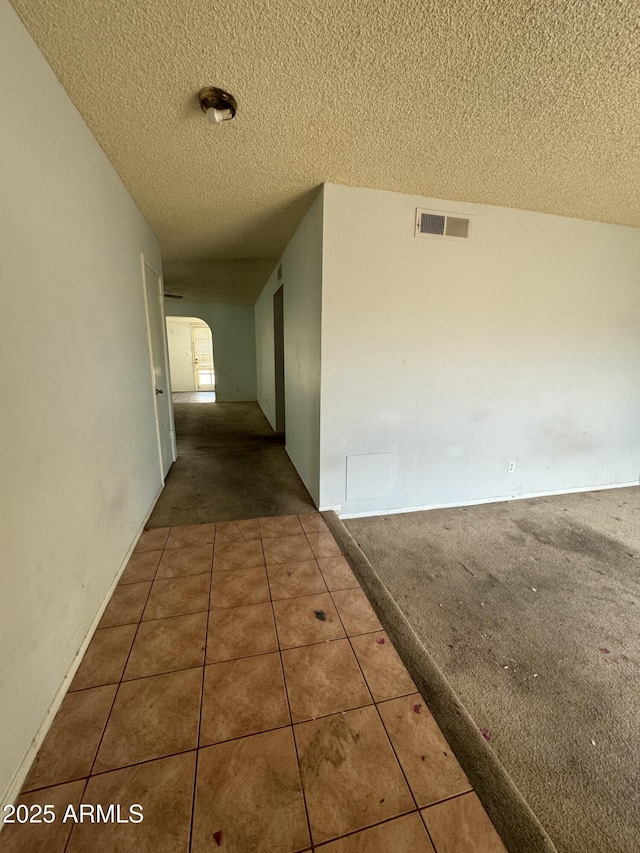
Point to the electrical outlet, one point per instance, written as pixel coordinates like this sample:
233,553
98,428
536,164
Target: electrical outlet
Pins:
511,467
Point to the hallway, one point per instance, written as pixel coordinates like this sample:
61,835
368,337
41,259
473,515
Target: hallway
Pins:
241,692
230,466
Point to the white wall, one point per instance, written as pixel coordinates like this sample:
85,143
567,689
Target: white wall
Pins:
79,454
181,353
456,359
302,277
234,345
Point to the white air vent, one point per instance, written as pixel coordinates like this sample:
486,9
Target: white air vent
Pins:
443,226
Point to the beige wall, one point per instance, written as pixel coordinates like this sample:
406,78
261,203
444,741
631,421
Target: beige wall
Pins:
79,453
456,358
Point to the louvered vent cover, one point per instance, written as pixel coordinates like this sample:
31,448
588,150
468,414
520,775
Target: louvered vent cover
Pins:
445,226
431,223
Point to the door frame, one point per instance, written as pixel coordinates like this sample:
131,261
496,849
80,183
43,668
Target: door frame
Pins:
202,324
144,261
278,361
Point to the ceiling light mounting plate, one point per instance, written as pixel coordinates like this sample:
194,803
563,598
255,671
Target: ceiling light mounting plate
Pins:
217,104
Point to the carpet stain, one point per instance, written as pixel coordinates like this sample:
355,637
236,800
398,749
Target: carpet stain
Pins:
230,465
576,538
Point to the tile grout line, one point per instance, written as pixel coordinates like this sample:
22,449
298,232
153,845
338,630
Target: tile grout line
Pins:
242,657
234,607
404,775
115,695
448,799
290,724
445,799
204,670
299,595
181,577
239,737
375,705
143,677
315,559
286,694
117,770
119,683
73,825
372,704
216,743
365,828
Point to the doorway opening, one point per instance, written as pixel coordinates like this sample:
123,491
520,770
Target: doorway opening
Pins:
278,350
191,360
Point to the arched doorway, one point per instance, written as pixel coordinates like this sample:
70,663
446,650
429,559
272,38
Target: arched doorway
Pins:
191,356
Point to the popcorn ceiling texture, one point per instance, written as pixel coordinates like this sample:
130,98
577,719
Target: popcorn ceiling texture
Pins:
523,104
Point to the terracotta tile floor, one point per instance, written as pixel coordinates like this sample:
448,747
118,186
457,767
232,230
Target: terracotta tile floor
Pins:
214,696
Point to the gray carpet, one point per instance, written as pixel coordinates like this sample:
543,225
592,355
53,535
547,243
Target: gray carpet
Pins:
531,609
519,828
230,465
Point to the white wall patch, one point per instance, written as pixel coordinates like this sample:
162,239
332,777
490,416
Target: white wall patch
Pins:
368,476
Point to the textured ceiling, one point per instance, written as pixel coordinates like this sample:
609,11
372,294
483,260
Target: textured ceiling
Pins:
524,104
